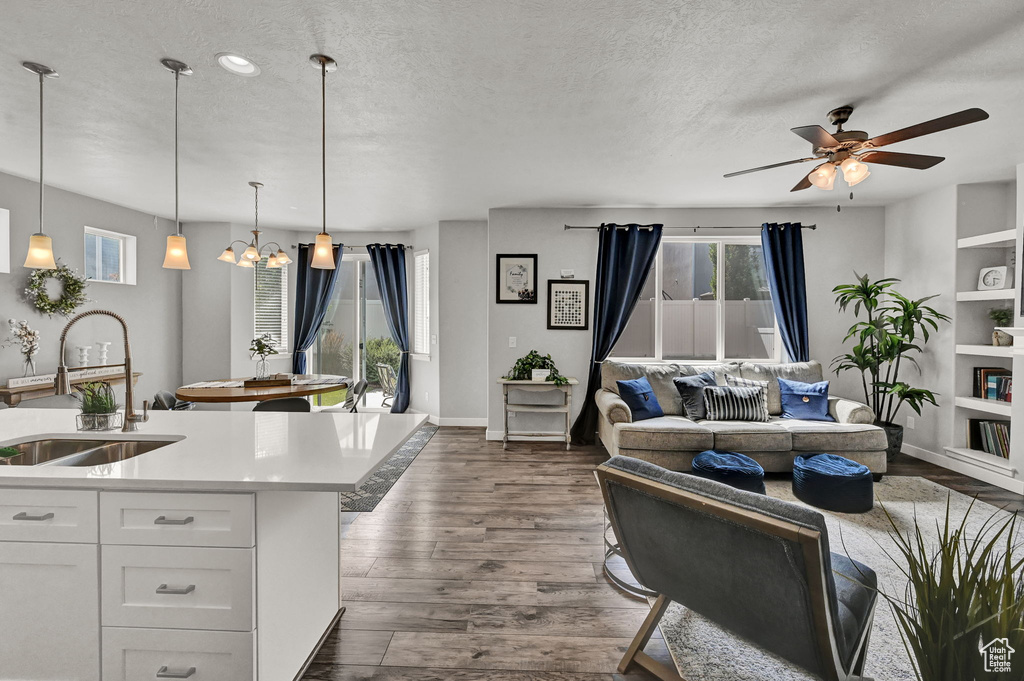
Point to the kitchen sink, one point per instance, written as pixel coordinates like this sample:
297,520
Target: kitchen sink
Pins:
78,452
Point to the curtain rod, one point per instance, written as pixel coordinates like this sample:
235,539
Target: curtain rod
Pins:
695,228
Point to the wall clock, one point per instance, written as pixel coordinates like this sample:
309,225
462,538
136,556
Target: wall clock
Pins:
994,278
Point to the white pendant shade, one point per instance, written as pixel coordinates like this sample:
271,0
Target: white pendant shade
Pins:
40,252
176,255
245,263
272,262
824,176
251,253
227,256
283,258
854,172
323,252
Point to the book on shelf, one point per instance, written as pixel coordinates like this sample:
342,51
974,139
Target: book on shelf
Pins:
989,436
988,386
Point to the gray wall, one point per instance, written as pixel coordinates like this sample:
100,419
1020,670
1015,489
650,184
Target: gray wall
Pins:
425,378
152,307
846,241
463,269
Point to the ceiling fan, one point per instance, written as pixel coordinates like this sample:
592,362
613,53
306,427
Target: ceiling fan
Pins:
850,150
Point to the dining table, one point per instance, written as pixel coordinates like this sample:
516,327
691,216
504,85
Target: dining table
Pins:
234,390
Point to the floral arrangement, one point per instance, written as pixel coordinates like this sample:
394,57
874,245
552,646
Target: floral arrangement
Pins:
262,346
28,337
72,292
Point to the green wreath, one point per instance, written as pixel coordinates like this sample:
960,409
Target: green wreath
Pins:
72,293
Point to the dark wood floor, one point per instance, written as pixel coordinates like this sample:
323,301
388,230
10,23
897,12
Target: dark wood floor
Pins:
486,564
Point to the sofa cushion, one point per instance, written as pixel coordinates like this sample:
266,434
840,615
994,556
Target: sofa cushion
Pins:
749,436
808,401
807,372
725,403
691,390
719,369
825,436
667,433
659,375
639,397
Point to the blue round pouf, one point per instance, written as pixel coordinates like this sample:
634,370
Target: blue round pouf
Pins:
730,468
833,483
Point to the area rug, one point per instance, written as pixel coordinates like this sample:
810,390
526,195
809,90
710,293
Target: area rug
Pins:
704,652
377,485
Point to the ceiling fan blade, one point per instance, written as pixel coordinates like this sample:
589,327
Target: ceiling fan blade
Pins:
803,184
928,127
817,135
893,158
774,165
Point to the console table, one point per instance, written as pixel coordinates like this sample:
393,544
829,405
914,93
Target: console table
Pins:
536,386
12,397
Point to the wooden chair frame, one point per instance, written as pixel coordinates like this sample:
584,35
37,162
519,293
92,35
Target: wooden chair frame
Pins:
809,540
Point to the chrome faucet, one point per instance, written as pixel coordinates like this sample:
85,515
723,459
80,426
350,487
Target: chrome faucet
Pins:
62,383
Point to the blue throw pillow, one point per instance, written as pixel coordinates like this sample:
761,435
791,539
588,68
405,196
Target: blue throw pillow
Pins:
806,401
691,389
639,397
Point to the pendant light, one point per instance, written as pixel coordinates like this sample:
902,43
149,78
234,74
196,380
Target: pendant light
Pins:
40,247
323,250
253,252
176,255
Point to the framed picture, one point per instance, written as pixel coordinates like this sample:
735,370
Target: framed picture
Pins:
5,240
517,278
568,304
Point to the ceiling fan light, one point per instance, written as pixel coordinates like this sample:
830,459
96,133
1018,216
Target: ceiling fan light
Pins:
227,256
251,253
40,252
283,258
323,252
854,172
824,176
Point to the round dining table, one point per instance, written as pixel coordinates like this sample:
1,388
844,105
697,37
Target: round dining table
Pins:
189,393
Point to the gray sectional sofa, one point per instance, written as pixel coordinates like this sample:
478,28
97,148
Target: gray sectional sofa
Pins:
672,440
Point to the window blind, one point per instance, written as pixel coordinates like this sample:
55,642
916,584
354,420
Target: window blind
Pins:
270,304
421,304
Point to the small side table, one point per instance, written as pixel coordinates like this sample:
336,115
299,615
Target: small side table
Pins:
536,386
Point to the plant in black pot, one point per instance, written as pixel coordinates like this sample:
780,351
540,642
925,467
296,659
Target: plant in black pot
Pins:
890,331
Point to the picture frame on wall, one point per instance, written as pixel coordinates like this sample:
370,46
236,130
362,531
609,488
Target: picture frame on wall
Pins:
517,278
569,304
5,240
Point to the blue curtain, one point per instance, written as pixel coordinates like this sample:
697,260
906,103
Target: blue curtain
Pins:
389,270
313,291
624,258
783,247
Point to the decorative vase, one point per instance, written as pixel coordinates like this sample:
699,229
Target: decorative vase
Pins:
1001,338
29,368
893,438
262,368
103,346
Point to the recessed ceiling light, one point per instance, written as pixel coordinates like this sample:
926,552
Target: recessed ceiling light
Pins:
237,64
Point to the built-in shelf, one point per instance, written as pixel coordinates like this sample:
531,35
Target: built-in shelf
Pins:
997,407
999,294
985,350
993,462
1001,239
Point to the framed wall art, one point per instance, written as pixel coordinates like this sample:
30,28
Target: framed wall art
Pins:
517,278
5,240
568,304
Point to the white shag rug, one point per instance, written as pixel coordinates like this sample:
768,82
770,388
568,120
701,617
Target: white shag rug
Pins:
704,652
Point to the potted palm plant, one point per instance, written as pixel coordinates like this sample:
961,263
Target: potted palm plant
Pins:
890,330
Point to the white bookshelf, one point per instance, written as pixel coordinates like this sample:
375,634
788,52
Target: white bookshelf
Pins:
1005,238
985,350
999,294
994,407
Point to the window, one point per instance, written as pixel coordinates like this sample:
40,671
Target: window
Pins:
109,256
704,300
270,304
421,304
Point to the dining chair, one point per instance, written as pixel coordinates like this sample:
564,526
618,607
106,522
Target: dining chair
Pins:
283,404
388,382
165,400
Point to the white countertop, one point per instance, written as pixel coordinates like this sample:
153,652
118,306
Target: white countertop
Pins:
219,450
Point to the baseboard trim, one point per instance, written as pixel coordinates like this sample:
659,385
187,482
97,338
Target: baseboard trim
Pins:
553,436
966,468
462,423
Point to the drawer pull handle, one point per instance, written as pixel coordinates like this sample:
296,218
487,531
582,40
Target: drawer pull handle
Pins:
25,516
165,673
164,520
164,589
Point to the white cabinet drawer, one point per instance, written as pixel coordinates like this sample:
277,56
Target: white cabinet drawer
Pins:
147,654
173,519
48,515
178,587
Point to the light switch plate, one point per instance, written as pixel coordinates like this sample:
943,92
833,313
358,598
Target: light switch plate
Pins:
511,341
568,274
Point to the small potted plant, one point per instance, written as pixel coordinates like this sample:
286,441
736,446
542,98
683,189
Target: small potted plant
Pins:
99,407
1002,316
262,347
523,369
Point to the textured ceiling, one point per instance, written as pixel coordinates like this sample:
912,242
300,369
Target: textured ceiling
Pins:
443,109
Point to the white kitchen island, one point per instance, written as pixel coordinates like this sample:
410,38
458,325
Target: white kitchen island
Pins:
212,557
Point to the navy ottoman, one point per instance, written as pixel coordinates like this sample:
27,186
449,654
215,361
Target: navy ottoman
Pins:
735,470
833,483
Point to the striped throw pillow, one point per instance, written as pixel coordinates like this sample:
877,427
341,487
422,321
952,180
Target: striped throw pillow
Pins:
726,403
737,382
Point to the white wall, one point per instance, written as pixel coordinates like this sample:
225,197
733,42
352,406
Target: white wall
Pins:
152,307
849,241
425,377
462,269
